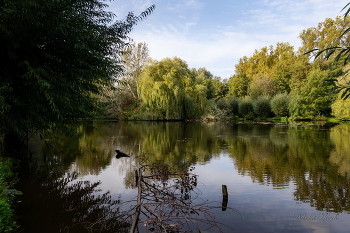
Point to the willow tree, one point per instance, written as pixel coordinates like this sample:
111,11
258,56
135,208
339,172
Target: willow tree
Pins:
57,55
168,86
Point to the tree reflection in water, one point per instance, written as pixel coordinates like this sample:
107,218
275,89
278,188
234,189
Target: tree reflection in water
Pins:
167,200
315,158
69,205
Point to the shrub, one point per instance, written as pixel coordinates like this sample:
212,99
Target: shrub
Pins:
222,104
212,112
233,103
262,107
279,105
246,108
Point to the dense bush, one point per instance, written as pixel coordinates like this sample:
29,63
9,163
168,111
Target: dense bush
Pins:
279,105
233,103
222,104
246,108
212,112
262,107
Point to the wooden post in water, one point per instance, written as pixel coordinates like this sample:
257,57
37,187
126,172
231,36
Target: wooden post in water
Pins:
136,178
135,221
224,197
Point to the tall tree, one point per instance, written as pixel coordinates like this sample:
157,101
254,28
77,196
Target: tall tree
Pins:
262,86
326,34
312,99
238,85
56,56
216,88
273,64
168,86
134,58
335,46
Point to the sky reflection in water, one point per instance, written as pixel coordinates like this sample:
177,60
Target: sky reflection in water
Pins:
280,179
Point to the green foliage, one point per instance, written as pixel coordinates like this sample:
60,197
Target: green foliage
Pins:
215,89
327,39
280,105
238,85
281,77
7,223
263,61
168,86
233,104
126,94
330,40
267,72
222,104
262,107
299,70
341,108
57,57
262,86
246,108
313,98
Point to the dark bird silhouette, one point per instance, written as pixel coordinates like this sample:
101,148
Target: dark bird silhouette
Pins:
121,154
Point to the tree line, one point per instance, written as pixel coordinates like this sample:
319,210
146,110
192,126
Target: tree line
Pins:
275,81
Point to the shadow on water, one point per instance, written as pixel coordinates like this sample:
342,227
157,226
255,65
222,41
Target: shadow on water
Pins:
53,203
166,202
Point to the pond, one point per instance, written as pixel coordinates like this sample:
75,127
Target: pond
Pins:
279,177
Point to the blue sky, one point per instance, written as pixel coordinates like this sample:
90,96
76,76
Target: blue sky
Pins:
215,34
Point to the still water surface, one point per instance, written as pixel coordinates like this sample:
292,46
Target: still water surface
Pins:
280,178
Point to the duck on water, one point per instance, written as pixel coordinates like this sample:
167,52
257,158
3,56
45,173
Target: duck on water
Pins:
121,154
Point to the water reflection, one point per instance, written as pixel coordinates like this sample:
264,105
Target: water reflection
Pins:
67,205
313,160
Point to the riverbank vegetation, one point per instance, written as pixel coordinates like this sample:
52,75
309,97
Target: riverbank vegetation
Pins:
276,81
65,61
7,194
58,57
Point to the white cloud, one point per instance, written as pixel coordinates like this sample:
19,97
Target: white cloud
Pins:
185,4
178,30
195,4
218,52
